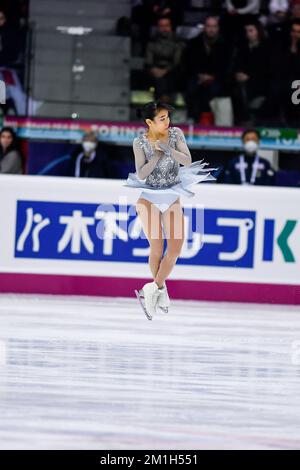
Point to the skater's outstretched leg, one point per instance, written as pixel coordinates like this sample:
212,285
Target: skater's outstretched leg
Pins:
173,225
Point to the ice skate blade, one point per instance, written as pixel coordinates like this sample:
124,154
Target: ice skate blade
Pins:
137,293
164,309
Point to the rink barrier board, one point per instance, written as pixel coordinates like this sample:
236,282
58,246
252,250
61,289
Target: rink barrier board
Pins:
250,250
124,287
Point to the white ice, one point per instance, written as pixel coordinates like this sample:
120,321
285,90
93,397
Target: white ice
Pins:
94,373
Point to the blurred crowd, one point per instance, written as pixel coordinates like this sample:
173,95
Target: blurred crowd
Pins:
236,58
13,35
232,60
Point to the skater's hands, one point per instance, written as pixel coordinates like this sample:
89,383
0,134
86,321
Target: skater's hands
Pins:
159,146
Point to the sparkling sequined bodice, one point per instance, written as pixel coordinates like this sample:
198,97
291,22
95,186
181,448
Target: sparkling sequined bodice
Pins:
165,173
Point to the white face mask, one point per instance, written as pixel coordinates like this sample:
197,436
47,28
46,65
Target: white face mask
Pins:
251,146
88,146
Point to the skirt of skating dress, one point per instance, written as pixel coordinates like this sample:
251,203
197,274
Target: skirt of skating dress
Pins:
163,198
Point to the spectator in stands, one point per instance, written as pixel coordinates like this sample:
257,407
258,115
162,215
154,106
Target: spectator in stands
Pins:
249,168
278,20
279,24
16,11
161,8
10,157
295,9
285,68
238,13
251,73
163,55
90,160
9,43
207,61
146,13
278,10
174,9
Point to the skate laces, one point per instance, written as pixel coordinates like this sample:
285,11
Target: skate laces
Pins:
155,296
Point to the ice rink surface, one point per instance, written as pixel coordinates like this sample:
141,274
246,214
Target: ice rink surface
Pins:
94,373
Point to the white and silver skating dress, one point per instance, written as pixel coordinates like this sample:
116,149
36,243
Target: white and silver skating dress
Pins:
168,180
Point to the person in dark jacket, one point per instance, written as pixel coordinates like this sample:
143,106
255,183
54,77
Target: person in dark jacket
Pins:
90,160
207,61
249,168
162,61
251,72
285,69
238,13
10,158
9,43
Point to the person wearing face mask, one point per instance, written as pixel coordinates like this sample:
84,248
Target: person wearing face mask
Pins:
249,167
162,61
90,159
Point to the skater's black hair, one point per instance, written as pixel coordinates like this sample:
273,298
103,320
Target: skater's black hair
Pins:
151,109
250,131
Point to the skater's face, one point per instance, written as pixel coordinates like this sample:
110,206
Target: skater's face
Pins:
211,28
6,139
160,123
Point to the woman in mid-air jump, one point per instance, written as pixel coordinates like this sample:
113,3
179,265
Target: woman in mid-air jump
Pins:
158,153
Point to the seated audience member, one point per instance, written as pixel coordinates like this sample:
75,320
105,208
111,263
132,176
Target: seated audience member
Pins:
238,13
279,10
207,61
10,157
295,9
285,69
249,168
251,72
9,43
278,19
90,160
174,9
12,46
163,55
145,15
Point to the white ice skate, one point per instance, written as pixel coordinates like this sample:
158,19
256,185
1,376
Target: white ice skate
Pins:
163,299
150,293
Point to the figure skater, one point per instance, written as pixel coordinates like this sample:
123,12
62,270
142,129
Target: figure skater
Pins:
158,153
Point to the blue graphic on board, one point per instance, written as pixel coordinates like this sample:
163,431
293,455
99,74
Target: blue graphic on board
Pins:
113,232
